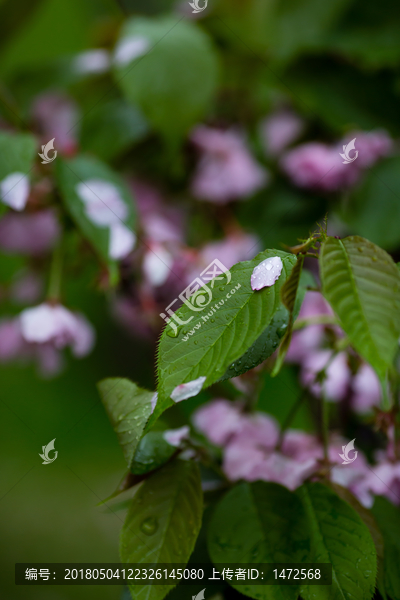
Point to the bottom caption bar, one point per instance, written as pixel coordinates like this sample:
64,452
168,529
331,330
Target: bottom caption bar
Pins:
172,573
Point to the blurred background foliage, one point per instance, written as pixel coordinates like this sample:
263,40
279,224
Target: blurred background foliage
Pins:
335,62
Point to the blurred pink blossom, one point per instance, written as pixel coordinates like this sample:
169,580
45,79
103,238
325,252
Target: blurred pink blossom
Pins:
226,170
338,374
56,116
26,288
382,480
279,130
34,233
59,326
218,420
366,389
157,264
308,339
317,166
371,146
175,437
11,340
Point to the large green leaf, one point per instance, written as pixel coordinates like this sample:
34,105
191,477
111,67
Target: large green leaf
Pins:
259,523
388,518
226,334
362,284
380,226
128,407
69,175
17,153
175,75
338,536
163,522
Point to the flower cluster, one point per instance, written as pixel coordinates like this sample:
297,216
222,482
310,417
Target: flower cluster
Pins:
253,448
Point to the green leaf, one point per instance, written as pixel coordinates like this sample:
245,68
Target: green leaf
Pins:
152,452
111,128
221,337
174,79
288,295
362,284
259,523
128,407
380,226
163,522
17,152
338,536
69,175
370,522
388,518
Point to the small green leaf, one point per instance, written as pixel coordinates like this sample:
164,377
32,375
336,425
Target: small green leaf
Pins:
17,153
222,334
259,523
388,518
338,536
70,174
128,407
163,522
152,452
362,284
288,296
173,77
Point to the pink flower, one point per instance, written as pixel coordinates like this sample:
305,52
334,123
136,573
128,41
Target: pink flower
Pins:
226,170
318,166
366,389
279,130
33,234
308,339
338,374
381,480
160,222
11,340
301,446
218,420
59,326
56,116
27,288
371,146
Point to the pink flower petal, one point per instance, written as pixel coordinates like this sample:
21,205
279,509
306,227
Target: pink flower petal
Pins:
14,190
187,390
266,273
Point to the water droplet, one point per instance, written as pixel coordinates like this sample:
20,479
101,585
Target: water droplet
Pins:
195,342
149,526
212,320
172,332
360,249
221,288
374,258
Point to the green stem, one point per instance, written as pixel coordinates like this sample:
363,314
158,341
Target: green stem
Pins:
54,288
325,426
320,320
290,417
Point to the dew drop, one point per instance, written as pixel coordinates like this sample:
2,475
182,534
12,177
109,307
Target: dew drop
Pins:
360,249
221,288
212,320
149,526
